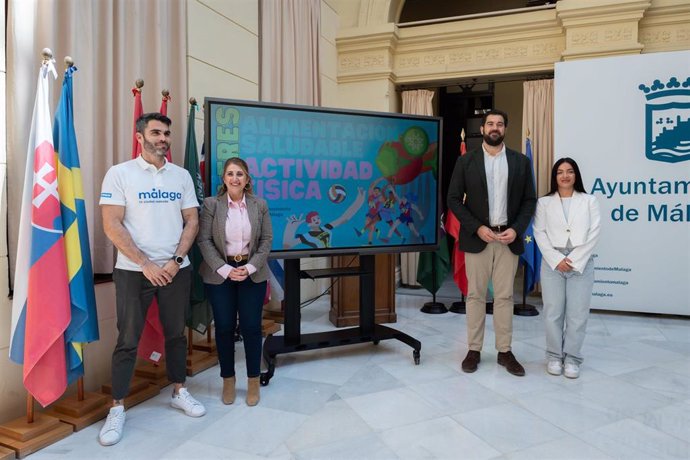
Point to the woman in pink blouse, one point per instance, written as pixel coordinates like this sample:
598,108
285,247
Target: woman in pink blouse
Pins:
235,236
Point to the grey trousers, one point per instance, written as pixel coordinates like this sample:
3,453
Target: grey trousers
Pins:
133,294
567,298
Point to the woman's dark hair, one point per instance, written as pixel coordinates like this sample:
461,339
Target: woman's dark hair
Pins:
579,187
237,161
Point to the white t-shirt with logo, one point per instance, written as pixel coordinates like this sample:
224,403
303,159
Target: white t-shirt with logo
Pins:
153,200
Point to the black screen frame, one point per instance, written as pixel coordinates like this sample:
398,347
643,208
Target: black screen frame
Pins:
210,156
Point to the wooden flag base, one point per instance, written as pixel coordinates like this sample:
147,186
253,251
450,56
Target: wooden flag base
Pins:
7,454
156,374
269,326
276,316
26,438
205,345
139,391
80,414
198,361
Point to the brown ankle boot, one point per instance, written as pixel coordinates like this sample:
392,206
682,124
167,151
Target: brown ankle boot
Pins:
229,390
253,391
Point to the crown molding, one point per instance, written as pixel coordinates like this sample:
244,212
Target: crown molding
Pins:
603,28
666,26
576,12
531,40
520,43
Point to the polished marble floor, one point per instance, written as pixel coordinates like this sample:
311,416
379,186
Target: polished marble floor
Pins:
363,401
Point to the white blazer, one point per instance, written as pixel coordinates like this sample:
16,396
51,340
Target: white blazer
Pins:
551,230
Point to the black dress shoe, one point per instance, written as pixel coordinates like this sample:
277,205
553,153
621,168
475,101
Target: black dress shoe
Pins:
507,360
469,364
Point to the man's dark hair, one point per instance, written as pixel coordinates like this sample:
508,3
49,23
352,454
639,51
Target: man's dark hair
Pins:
496,112
144,119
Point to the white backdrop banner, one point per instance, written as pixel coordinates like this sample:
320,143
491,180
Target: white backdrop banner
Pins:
626,121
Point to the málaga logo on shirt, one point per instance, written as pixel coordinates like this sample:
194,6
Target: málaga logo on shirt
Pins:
156,195
668,120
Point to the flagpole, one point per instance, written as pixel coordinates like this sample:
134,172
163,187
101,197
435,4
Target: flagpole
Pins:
164,110
190,331
69,63
460,306
525,309
29,408
138,84
198,358
433,307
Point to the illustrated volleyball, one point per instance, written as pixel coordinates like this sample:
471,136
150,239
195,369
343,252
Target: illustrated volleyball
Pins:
337,193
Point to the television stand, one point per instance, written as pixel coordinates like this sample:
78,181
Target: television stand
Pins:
293,340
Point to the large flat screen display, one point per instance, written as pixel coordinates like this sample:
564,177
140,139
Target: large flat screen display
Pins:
335,181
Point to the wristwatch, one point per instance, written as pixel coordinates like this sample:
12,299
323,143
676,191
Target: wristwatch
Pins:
179,260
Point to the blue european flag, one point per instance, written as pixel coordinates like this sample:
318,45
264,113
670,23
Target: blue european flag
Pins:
531,258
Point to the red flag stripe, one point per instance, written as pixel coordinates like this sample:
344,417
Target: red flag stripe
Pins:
152,337
453,229
138,111
164,111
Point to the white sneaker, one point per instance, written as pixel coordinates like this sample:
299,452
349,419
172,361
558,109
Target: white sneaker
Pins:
554,367
114,426
183,400
572,370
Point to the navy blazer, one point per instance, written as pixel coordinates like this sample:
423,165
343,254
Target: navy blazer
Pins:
469,181
211,237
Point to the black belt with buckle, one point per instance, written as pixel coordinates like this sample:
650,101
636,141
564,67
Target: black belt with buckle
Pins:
238,260
499,228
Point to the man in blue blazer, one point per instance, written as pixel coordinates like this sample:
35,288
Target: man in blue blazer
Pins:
492,195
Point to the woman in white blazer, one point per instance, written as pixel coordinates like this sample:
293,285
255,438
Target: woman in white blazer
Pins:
566,227
235,237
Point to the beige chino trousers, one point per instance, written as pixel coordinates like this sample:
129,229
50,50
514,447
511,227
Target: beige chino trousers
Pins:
497,263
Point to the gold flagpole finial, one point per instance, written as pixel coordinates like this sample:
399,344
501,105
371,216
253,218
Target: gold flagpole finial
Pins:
192,101
165,93
69,62
462,134
527,132
139,83
46,54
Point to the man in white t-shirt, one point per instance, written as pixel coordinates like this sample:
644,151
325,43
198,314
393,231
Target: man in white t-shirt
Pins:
150,213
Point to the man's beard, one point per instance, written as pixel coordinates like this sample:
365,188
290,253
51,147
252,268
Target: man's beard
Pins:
494,142
160,151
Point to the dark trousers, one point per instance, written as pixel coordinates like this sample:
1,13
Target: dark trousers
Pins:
227,300
133,294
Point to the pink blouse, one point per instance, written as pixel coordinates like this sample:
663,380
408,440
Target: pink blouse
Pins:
238,232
